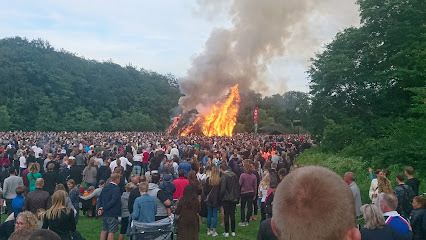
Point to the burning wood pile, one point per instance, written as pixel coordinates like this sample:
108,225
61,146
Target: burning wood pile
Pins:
219,121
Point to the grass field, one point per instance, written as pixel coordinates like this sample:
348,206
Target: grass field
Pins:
90,228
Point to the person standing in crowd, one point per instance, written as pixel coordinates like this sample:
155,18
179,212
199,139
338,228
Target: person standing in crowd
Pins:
50,179
169,188
75,171
412,182
375,227
180,183
417,218
74,194
9,188
110,207
211,192
229,194
137,163
162,201
374,186
89,174
37,199
248,183
405,196
263,193
33,175
125,210
145,206
18,201
349,178
22,163
187,209
59,218
388,205
104,172
135,193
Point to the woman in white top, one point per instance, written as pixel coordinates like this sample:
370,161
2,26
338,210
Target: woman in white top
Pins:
263,193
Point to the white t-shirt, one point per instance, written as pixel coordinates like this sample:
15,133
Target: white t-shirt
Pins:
22,162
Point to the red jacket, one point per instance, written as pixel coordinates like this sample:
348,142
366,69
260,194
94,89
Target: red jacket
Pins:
180,184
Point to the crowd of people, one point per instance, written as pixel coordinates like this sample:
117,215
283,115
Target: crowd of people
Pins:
50,179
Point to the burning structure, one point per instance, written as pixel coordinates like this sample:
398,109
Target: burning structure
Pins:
219,121
238,58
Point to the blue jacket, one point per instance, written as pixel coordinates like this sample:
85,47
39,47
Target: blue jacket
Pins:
110,200
185,166
145,209
394,220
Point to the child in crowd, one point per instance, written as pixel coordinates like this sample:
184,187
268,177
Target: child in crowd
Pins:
18,201
169,188
125,210
88,205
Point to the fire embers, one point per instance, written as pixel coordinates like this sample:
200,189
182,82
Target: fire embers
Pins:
220,121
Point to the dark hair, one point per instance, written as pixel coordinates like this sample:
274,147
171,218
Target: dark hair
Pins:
282,172
400,177
181,173
44,234
189,198
155,178
20,190
11,170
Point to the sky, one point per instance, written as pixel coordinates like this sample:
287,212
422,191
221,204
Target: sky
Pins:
166,36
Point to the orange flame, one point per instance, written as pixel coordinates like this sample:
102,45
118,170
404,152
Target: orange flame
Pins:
174,124
223,117
219,122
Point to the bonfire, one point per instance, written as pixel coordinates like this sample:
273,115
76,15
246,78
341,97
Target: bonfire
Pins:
219,121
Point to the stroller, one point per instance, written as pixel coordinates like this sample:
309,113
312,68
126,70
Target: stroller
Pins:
158,230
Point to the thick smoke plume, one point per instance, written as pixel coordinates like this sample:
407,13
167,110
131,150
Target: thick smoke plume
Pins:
259,33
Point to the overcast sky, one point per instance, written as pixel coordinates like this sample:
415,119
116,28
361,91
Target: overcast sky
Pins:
165,36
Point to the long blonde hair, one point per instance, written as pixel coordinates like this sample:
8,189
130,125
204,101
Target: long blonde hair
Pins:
58,204
384,185
266,181
214,178
34,168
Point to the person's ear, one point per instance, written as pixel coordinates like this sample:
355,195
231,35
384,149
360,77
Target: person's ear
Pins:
353,234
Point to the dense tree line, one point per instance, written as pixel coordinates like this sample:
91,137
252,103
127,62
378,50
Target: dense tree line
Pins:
44,89
368,86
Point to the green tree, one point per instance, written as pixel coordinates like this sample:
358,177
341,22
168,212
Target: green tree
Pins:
4,119
47,117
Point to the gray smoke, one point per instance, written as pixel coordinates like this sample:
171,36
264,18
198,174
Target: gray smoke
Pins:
260,31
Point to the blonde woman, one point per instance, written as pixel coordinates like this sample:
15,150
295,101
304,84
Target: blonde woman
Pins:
375,227
384,186
74,194
58,218
33,175
211,195
263,193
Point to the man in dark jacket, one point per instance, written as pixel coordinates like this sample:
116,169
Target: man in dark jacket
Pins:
110,207
37,199
229,194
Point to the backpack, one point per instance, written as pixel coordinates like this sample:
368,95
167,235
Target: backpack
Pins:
405,207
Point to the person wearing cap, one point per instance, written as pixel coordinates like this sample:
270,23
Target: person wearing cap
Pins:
169,188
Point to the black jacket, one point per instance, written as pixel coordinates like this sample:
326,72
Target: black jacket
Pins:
50,179
416,220
212,193
229,187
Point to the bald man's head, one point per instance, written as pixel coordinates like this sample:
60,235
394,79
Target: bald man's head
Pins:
39,183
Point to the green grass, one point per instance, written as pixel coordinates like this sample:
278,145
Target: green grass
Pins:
90,228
